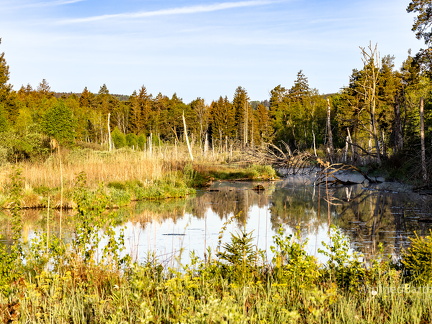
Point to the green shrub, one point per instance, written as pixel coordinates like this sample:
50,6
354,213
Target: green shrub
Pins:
132,140
59,122
118,138
262,172
23,147
141,141
417,260
343,266
116,185
292,264
241,258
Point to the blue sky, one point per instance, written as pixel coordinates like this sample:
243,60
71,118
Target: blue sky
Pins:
197,48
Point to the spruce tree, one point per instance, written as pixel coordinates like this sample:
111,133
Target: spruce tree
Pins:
140,113
8,103
222,116
244,115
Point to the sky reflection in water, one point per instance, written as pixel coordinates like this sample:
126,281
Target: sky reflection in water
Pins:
381,213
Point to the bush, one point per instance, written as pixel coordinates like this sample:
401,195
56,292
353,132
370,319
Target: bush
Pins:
118,138
29,147
132,141
343,266
417,260
262,172
141,141
292,264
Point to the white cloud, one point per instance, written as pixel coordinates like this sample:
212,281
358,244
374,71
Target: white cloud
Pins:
15,5
174,11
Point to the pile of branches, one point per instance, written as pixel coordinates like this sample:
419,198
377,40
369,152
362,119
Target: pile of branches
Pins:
329,174
304,163
292,162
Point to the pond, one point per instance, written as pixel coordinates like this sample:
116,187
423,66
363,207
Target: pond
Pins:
386,213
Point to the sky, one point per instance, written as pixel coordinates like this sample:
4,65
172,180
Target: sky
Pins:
198,48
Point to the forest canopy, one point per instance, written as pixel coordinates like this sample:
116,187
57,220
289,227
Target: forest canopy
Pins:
375,118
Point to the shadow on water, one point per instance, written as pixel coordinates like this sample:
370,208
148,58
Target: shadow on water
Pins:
386,213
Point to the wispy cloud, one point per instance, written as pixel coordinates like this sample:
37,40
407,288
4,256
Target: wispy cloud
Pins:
174,11
15,5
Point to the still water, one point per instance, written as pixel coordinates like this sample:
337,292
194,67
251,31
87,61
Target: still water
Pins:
386,213
367,214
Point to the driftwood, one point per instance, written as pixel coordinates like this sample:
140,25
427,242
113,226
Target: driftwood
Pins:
329,174
292,162
305,163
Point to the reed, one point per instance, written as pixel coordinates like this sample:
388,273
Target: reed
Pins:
66,282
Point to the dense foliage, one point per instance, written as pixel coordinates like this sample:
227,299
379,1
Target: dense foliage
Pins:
375,119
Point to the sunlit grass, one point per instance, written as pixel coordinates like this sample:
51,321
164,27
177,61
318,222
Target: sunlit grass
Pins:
52,280
128,175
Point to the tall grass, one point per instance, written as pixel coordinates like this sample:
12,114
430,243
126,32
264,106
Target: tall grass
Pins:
50,280
208,292
127,174
53,280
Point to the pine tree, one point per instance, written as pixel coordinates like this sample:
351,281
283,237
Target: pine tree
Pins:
140,113
388,109
159,112
300,89
243,115
44,89
5,87
8,102
201,115
222,125
423,21
86,99
264,128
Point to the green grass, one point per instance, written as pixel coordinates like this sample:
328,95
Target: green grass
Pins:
51,280
235,286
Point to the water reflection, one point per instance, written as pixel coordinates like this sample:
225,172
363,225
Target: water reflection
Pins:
385,213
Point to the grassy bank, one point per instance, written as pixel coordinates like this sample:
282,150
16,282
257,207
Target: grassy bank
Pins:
80,280
125,175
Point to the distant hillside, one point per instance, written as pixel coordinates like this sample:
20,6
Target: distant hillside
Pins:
68,94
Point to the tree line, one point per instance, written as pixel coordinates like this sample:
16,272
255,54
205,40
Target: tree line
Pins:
374,118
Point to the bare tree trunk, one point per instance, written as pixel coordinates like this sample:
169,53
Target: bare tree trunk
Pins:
206,144
422,140
373,124
245,126
109,133
314,142
330,147
187,138
353,150
150,146
371,61
345,154
397,127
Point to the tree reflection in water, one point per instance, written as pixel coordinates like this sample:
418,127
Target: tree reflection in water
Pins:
384,213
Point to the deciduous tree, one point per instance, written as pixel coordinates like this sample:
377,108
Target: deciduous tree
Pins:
59,123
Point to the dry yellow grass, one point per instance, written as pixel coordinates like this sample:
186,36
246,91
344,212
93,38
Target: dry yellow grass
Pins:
103,167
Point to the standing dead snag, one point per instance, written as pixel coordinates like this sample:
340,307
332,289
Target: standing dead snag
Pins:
422,140
187,137
370,91
330,148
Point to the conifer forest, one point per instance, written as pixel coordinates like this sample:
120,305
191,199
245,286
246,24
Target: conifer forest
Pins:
78,170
